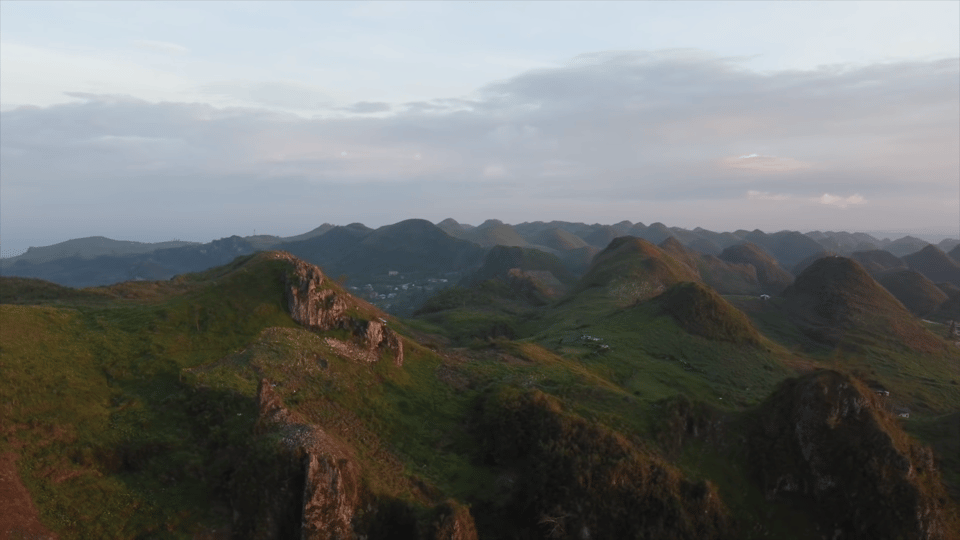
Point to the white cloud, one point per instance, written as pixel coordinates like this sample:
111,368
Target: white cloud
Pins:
825,199
841,202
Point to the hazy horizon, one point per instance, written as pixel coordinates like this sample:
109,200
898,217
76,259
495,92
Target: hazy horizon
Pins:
201,120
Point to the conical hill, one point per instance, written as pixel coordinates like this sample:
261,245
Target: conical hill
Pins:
835,298
699,310
637,262
917,293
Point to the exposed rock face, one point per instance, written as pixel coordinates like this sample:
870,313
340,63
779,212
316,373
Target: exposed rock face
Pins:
322,307
453,522
826,439
313,459
570,478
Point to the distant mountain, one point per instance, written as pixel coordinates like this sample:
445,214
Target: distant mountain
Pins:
935,264
948,244
494,233
955,254
876,261
602,236
835,299
723,240
843,242
705,246
559,239
326,250
578,260
655,233
788,247
88,248
622,228
451,227
805,263
917,293
158,264
905,246
772,277
322,229
499,260
414,245
535,275
724,277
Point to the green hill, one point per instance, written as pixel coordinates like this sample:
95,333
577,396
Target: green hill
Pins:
835,299
917,293
877,260
933,263
260,398
699,310
772,277
559,239
632,269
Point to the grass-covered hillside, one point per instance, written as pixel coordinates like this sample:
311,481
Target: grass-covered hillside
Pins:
261,400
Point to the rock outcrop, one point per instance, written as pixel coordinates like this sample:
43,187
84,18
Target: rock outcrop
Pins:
318,305
825,439
566,477
312,476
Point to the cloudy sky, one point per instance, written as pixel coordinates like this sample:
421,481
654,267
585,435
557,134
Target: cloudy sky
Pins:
151,121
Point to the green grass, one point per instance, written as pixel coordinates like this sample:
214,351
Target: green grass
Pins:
131,405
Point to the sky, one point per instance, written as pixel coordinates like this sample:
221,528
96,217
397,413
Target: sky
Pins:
152,121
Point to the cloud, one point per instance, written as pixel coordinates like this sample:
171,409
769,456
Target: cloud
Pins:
825,199
841,202
628,129
764,196
161,46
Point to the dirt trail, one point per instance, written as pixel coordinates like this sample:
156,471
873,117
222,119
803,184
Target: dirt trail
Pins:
18,516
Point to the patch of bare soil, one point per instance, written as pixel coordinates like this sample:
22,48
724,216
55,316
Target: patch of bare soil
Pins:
19,518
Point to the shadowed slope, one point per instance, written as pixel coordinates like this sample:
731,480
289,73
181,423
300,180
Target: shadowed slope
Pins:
772,277
835,299
917,293
701,311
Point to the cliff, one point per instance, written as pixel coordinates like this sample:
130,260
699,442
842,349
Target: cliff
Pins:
316,303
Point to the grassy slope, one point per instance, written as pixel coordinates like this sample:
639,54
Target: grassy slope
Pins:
126,414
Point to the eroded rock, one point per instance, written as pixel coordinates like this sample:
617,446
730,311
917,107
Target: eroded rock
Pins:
312,489
319,306
827,439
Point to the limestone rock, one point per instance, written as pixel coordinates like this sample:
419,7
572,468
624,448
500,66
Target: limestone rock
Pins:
827,439
317,480
320,306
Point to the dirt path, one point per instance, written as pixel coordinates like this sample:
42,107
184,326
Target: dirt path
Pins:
19,519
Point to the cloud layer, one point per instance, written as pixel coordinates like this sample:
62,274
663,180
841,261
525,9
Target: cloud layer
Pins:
679,136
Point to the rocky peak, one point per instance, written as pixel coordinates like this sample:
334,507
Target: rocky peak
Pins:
827,439
320,306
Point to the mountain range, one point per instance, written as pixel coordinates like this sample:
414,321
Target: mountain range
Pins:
659,392
420,254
